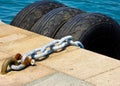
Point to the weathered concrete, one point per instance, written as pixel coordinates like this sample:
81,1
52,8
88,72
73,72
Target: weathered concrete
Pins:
110,78
59,79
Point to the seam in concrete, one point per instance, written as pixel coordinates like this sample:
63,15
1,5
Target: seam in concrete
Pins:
57,71
77,78
102,73
61,76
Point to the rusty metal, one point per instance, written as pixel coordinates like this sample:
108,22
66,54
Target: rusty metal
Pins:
27,61
10,61
18,56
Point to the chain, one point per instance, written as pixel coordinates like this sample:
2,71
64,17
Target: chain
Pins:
56,45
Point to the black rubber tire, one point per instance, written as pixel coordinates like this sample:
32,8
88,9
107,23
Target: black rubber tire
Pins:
27,17
50,23
97,32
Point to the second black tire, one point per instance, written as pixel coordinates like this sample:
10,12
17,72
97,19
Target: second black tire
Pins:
97,32
50,23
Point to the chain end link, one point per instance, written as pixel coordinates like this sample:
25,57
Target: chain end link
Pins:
10,61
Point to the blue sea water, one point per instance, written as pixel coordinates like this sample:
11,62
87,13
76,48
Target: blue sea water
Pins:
9,8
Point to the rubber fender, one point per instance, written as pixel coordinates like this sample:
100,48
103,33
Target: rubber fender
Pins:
28,16
50,23
97,32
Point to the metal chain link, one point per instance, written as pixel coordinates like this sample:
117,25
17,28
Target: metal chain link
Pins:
38,53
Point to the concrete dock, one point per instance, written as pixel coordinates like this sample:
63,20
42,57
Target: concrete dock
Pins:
70,67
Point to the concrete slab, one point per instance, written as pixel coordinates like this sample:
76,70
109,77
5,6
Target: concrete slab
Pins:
81,63
110,78
59,79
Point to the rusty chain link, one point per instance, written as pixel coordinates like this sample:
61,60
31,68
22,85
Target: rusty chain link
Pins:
30,57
